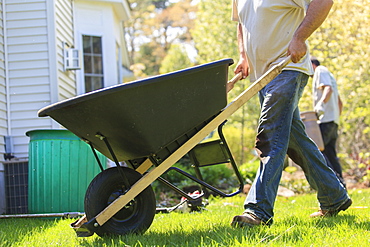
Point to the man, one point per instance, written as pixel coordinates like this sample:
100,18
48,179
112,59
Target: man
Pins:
267,32
328,106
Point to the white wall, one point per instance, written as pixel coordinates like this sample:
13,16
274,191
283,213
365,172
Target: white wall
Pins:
32,58
3,123
28,68
64,40
3,112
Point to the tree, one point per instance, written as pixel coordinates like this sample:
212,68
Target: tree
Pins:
214,33
155,25
214,36
133,27
175,59
342,45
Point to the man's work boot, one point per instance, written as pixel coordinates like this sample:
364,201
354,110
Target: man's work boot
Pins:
246,220
332,212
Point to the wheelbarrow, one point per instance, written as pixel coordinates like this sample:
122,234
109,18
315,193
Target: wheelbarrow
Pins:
149,125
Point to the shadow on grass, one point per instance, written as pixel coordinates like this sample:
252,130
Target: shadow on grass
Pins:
331,222
14,230
227,236
221,235
295,230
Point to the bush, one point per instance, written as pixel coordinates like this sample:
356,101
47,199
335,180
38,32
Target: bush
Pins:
249,170
234,140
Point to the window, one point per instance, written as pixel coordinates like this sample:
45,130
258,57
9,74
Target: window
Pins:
93,62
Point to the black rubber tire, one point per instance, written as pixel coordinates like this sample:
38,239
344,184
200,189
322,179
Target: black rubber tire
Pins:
135,217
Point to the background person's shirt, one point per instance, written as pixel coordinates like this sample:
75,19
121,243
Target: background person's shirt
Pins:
323,77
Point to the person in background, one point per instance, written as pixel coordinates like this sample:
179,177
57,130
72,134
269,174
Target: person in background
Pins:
267,32
328,106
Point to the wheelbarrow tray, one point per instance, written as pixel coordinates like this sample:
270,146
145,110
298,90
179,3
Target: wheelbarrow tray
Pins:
142,117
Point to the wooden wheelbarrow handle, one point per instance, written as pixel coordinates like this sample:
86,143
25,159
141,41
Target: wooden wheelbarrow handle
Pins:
230,84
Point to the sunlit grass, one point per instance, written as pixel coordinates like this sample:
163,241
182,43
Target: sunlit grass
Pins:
292,227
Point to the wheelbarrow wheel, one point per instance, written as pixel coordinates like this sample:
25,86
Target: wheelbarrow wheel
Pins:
135,217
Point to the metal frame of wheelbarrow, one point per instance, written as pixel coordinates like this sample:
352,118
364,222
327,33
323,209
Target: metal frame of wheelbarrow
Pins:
205,154
200,157
86,226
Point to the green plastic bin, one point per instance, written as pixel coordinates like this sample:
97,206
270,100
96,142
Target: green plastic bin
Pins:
61,166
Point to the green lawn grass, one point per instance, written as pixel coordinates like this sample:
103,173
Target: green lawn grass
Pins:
292,227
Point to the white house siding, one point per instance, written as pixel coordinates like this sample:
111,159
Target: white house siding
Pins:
28,68
64,37
3,112
3,123
33,58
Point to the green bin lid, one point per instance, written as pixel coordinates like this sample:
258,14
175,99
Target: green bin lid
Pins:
51,134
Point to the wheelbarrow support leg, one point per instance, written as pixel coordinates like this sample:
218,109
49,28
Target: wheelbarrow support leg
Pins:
103,138
96,156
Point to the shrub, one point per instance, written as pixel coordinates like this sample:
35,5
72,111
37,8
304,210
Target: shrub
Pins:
249,169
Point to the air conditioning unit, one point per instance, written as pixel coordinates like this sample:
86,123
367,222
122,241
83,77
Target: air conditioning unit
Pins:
15,178
72,59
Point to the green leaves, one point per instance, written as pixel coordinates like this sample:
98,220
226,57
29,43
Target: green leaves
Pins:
342,45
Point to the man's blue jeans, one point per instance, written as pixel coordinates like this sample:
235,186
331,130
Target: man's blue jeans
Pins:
282,132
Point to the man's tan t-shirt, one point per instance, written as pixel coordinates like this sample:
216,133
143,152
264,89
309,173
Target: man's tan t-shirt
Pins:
268,27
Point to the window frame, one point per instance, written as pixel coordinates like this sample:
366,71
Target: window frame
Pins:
92,55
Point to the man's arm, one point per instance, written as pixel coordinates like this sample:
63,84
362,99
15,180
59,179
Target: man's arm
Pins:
326,93
340,104
317,12
242,65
